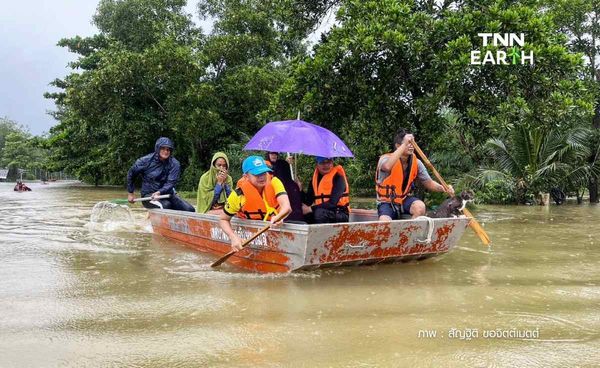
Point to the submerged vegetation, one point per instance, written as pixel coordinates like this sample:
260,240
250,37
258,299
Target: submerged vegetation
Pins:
509,131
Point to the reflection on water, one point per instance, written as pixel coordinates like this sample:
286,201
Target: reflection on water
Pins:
72,294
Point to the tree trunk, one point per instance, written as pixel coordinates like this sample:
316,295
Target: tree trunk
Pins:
593,189
593,183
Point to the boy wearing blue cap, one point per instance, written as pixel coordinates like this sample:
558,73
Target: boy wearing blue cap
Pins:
257,197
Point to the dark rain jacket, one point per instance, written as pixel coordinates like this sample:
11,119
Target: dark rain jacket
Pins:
157,176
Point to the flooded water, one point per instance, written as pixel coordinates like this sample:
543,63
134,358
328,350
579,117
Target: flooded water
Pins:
75,295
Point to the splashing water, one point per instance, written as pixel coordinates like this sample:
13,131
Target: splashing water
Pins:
110,212
108,217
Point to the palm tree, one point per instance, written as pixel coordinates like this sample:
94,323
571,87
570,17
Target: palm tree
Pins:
536,159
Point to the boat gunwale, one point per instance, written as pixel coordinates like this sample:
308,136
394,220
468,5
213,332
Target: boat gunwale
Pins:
301,228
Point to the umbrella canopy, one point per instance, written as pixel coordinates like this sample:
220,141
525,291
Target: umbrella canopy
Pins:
298,136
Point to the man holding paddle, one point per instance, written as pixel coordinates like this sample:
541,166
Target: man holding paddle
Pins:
396,172
257,197
160,173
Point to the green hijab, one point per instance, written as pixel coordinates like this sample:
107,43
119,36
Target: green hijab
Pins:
206,186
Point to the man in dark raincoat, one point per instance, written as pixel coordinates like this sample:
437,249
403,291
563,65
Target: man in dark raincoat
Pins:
160,173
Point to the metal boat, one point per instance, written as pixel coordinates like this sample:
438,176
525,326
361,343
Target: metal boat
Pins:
292,247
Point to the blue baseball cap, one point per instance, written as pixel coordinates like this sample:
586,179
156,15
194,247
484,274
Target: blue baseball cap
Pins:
321,159
255,165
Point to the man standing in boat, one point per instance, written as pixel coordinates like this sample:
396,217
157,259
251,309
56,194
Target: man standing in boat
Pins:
396,172
160,173
257,197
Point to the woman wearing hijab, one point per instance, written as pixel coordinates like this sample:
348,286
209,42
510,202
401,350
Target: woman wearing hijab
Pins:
215,185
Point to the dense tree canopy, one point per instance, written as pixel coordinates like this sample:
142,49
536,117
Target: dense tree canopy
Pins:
580,21
393,64
383,65
163,77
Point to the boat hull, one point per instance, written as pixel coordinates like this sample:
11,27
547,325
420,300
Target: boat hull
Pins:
294,247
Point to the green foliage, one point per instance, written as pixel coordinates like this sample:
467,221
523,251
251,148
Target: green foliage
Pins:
385,64
533,161
19,150
390,64
496,192
133,87
7,127
257,28
139,24
150,72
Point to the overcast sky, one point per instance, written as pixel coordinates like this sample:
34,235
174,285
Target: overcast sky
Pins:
30,59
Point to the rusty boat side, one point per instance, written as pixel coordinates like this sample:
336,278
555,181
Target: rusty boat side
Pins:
293,247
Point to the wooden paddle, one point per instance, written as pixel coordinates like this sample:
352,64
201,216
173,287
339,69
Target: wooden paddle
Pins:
219,261
125,201
473,223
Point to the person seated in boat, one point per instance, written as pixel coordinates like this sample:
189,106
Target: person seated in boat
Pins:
282,170
327,198
271,159
215,186
257,197
160,173
395,175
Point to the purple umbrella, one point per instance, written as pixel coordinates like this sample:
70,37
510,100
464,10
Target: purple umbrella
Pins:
297,136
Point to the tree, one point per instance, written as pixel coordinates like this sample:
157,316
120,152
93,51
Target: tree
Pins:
385,64
535,160
390,64
7,127
580,20
134,83
22,151
162,76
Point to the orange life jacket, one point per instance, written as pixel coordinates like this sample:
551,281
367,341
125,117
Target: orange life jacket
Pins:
255,207
390,189
324,188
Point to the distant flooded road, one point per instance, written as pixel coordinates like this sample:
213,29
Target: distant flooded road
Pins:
74,295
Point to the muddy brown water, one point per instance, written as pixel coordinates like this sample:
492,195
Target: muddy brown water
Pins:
75,295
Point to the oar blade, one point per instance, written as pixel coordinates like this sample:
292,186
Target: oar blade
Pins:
477,228
473,224
219,261
119,201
